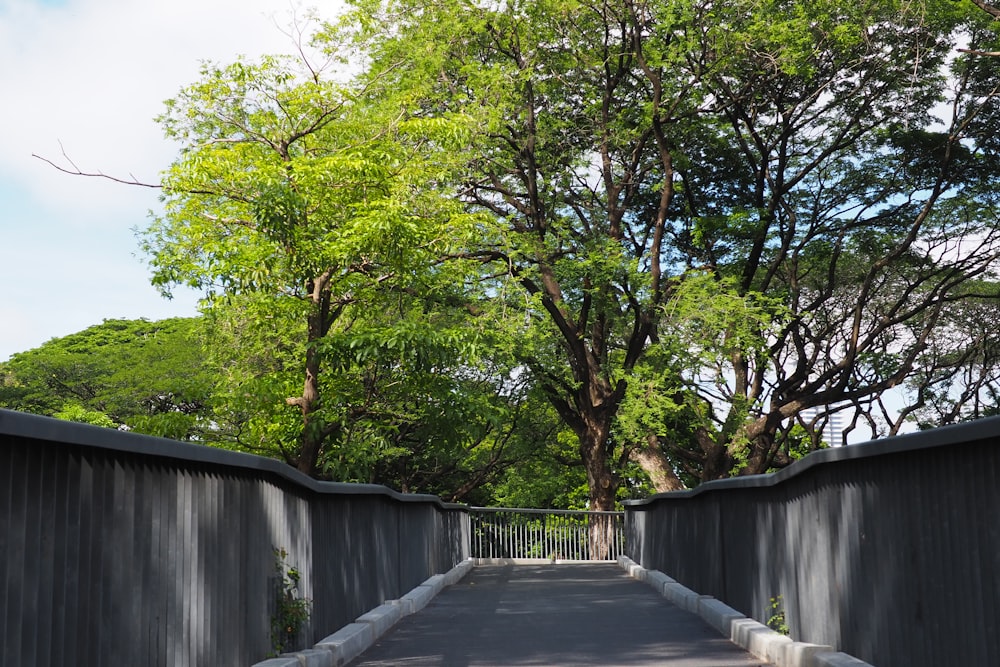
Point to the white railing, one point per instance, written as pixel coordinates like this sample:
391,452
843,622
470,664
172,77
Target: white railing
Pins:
563,535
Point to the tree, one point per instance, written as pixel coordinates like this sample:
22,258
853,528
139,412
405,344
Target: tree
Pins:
573,173
147,377
958,377
787,150
844,195
309,218
409,403
683,224
989,8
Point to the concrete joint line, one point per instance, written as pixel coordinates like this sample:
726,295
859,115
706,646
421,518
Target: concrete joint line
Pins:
754,637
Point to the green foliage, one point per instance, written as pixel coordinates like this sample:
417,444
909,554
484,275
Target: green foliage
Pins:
292,613
404,400
75,412
776,621
147,377
785,149
310,213
553,479
676,225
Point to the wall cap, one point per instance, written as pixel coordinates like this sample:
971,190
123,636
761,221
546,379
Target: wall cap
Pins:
945,436
48,429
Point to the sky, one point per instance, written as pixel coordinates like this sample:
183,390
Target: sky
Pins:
82,80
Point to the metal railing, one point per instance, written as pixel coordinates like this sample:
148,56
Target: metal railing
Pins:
500,532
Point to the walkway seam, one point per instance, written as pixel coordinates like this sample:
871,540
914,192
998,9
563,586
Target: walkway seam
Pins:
755,637
355,638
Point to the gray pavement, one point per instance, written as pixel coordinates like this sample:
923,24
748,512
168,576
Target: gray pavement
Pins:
564,614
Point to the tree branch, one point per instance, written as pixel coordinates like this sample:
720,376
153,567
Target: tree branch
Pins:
76,171
988,8
980,53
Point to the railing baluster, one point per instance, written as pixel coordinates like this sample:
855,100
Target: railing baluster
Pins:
501,532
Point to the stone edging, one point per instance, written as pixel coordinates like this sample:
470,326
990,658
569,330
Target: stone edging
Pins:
355,638
757,638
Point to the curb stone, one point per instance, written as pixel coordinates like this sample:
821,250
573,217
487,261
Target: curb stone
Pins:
382,618
312,658
355,638
417,599
718,615
347,643
837,660
658,580
755,637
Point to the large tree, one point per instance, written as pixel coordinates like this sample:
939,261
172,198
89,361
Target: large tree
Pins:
574,174
851,173
788,150
309,215
147,377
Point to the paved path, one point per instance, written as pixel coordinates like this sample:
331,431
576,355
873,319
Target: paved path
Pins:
548,615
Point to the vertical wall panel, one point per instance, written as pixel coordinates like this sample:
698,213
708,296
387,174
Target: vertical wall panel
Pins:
63,524
117,549
7,512
887,551
15,557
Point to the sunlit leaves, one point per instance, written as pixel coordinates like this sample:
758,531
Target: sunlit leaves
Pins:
705,215
148,377
308,210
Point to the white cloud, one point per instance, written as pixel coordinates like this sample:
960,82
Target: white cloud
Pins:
91,75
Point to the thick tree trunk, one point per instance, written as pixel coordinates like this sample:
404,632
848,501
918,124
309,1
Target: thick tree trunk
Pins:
757,457
602,482
655,463
717,462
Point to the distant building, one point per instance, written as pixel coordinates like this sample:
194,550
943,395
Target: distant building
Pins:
833,431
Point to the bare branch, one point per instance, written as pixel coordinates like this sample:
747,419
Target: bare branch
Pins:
980,53
76,171
988,8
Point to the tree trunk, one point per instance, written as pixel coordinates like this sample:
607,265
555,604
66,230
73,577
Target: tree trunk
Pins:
655,463
602,483
311,438
717,462
757,458
313,434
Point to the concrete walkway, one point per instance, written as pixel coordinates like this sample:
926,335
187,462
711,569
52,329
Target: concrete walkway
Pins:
548,615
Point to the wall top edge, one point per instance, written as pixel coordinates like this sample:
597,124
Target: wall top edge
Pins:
48,429
945,436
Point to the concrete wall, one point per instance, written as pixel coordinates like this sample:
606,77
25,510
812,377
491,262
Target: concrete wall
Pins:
888,551
121,549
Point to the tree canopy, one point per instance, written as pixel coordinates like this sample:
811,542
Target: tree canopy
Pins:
827,166
684,226
306,214
147,377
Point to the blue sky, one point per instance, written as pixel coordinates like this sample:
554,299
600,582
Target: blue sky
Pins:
88,77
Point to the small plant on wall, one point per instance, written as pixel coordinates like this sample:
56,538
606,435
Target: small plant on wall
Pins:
292,611
777,620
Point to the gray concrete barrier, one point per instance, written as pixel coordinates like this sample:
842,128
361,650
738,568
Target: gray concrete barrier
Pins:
355,638
755,637
134,550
